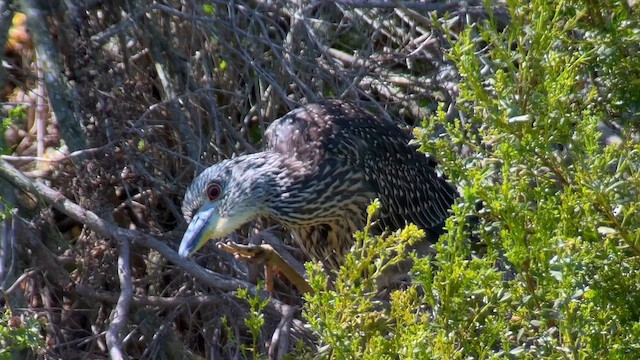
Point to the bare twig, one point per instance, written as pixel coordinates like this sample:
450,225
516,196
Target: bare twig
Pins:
19,281
138,300
7,239
280,340
103,37
414,5
114,332
41,110
63,156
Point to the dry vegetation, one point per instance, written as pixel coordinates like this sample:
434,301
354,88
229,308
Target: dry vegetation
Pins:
116,105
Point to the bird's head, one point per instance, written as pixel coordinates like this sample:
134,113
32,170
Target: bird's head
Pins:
224,197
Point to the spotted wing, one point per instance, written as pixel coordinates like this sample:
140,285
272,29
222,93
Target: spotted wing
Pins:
342,134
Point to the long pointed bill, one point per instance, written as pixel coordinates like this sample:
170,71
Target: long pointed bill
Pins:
200,229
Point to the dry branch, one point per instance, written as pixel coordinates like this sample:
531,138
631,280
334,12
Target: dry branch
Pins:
118,323
112,231
54,79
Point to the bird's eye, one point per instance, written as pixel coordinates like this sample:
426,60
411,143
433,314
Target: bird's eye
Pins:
213,191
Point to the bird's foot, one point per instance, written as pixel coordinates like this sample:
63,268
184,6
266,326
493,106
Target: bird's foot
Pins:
267,255
252,253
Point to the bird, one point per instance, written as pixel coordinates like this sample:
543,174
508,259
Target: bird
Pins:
322,165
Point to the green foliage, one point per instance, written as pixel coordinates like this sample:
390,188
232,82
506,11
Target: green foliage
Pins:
208,9
255,319
348,315
551,267
18,334
16,115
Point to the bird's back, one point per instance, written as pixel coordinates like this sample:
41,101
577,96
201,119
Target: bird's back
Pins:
340,135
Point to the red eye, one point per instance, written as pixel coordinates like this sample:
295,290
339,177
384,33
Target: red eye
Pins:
213,191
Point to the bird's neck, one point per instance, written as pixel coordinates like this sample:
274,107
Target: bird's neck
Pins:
303,194
282,188
283,180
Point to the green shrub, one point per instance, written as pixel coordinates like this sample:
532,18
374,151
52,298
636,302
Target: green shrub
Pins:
551,267
254,321
18,334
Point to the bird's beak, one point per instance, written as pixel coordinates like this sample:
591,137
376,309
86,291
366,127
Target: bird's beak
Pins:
201,228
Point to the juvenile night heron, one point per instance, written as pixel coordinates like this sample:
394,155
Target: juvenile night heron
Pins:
322,166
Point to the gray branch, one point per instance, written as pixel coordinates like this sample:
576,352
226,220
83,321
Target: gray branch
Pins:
56,83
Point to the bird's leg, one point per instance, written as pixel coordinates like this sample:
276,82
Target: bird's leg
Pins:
254,255
266,254
268,278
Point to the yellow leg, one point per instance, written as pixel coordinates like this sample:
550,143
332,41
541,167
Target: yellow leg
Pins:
266,254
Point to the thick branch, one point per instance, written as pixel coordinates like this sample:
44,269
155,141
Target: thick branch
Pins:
54,79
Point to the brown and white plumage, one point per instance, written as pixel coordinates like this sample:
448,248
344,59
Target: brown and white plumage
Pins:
322,166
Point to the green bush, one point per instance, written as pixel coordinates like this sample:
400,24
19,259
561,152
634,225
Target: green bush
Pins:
550,269
18,334
349,316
